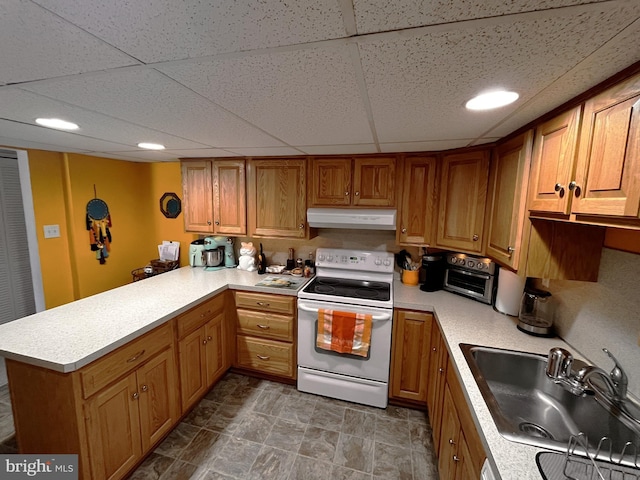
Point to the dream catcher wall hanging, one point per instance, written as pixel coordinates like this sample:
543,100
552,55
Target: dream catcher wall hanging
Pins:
98,224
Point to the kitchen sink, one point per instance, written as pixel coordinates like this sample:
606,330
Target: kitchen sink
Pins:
530,408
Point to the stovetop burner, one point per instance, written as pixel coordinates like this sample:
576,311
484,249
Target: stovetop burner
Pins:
342,287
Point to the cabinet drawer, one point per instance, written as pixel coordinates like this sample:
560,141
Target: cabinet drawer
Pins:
267,303
105,370
199,315
266,325
266,356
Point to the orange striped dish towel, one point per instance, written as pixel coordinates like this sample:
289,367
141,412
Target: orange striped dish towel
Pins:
344,332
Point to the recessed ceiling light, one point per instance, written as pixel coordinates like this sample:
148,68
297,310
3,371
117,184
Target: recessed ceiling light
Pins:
56,123
489,100
151,146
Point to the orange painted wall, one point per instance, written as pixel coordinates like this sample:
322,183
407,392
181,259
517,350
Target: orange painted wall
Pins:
46,171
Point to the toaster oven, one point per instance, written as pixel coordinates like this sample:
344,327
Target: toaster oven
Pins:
473,277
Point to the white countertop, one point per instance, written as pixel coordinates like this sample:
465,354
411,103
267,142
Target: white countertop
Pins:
71,336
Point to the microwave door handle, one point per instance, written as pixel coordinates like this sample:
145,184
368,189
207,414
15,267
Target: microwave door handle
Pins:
376,318
473,274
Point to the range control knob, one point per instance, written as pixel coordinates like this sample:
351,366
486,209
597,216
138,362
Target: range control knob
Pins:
330,258
461,263
470,263
453,260
378,261
480,266
321,257
387,262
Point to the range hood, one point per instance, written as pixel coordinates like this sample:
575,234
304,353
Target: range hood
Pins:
363,219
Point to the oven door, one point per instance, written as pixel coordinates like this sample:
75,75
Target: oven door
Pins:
373,367
471,284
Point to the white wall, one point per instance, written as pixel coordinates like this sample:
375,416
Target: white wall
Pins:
591,316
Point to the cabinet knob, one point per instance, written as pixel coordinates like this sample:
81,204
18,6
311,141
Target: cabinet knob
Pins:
451,442
208,222
204,342
560,189
135,395
217,222
510,250
346,194
434,349
262,357
404,230
574,186
441,370
144,388
301,226
475,237
357,194
456,458
204,314
209,338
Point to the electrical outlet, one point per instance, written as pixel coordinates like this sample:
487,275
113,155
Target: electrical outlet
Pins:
51,231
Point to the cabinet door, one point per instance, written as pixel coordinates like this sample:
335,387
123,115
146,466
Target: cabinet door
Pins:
465,469
374,182
229,197
417,209
507,199
193,374
277,198
197,196
410,358
608,169
554,147
159,407
215,349
436,382
113,429
450,438
462,200
330,182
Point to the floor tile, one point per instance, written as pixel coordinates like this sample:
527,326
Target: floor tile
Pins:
392,463
177,440
421,437
343,473
418,416
204,447
7,429
180,470
394,412
255,427
269,402
152,468
355,452
236,457
286,434
243,395
201,414
305,468
272,464
226,418
393,432
319,443
425,467
327,416
9,445
221,390
359,423
299,409
4,394
210,475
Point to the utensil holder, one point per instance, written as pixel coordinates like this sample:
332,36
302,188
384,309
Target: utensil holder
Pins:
410,277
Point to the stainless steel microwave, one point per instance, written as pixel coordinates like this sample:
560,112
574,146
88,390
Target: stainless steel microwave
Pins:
473,277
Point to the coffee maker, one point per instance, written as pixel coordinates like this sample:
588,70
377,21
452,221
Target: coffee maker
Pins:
211,243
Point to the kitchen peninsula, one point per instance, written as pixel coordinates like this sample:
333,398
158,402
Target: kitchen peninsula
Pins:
68,338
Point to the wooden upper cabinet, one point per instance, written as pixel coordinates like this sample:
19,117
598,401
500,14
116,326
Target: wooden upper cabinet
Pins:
607,180
554,148
197,199
508,180
229,197
463,195
277,198
348,181
330,182
417,207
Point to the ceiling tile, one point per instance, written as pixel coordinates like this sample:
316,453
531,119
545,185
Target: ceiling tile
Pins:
37,44
149,98
430,146
266,152
433,75
303,97
202,153
338,149
24,106
160,30
139,155
384,15
18,143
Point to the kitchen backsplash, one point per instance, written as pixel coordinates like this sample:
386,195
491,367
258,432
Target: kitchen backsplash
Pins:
591,316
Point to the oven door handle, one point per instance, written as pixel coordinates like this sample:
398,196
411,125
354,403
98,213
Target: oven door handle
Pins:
375,318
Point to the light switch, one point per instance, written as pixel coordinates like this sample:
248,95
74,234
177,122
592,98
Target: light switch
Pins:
51,231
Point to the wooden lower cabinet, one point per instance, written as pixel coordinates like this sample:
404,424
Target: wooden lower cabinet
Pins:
410,355
436,379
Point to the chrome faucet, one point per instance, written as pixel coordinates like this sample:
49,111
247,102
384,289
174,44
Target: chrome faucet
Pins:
560,361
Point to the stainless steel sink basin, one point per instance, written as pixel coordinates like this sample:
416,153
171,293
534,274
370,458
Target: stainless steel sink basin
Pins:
528,407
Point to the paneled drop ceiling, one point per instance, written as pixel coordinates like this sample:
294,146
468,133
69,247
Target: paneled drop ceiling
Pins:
273,77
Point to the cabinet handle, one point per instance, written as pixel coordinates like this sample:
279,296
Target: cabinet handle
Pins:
136,356
455,458
204,342
144,388
475,237
301,226
263,357
217,222
441,370
404,230
264,327
357,194
346,194
208,222
574,186
135,395
510,250
451,442
208,312
263,304
209,338
560,189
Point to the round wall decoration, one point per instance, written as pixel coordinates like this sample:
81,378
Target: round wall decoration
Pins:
170,205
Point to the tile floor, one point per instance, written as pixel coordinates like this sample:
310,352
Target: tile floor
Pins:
247,428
